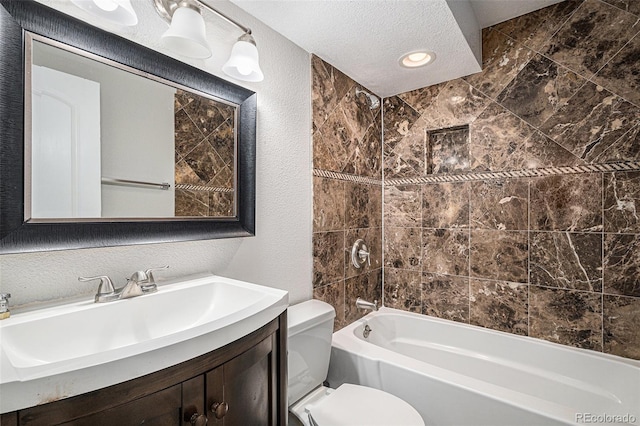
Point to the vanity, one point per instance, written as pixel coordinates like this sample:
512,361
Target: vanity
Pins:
219,357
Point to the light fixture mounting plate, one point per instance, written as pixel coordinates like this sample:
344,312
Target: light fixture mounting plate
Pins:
165,8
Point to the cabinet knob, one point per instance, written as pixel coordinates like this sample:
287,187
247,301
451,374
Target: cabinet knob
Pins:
198,419
219,409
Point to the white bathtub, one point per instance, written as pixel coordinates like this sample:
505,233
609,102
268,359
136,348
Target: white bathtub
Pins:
456,374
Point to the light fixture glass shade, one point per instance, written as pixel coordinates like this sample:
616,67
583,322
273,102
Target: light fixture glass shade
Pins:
116,11
243,62
186,35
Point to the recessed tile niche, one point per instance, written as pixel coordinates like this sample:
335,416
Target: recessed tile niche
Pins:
447,150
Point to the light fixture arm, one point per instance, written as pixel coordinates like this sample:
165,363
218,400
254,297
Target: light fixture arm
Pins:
165,8
247,30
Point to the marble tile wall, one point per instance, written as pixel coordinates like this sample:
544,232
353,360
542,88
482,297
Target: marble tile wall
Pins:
550,249
347,192
204,156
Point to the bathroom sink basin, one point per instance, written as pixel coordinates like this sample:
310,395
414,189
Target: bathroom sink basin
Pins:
182,320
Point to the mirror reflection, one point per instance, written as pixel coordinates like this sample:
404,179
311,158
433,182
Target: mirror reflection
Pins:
109,143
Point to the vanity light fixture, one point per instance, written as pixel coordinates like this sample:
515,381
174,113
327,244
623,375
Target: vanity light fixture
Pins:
186,36
417,59
116,11
243,62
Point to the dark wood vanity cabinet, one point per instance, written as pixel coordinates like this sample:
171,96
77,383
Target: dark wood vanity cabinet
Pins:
242,383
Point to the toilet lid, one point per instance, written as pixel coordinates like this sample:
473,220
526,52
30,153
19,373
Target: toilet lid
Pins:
353,405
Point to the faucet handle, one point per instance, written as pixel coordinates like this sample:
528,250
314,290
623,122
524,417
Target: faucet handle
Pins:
149,273
105,288
139,277
146,279
364,253
4,302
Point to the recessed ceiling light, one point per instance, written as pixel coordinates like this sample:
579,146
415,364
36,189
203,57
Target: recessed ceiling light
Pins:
417,59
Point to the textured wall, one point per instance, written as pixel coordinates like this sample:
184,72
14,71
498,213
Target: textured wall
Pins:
511,195
276,256
347,192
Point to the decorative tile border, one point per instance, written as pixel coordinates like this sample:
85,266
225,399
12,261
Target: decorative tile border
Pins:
546,171
346,177
201,188
463,177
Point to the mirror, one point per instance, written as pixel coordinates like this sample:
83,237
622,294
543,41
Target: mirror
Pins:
107,142
192,177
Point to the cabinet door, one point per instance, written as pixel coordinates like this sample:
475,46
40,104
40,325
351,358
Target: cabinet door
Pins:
158,409
215,397
193,411
246,388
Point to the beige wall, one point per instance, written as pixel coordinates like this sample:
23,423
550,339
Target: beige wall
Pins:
280,253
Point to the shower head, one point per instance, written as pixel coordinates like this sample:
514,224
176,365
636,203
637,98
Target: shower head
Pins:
374,102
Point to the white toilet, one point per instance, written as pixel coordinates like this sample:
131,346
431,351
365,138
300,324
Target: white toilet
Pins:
310,326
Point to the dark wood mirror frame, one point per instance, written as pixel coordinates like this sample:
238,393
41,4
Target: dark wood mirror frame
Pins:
16,235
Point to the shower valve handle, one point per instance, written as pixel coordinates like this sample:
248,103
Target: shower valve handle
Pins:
360,254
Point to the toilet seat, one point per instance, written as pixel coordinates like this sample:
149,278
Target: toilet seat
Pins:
353,405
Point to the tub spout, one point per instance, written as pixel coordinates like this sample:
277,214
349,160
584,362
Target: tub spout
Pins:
363,304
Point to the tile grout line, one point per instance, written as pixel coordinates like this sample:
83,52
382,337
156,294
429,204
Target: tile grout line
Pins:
469,248
469,234
426,144
529,257
344,228
420,196
602,263
382,196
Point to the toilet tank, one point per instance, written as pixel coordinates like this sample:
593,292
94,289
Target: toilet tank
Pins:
309,326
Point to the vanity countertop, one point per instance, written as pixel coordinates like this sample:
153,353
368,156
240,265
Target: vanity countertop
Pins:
60,351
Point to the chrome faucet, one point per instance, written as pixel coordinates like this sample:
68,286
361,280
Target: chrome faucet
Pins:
133,287
4,306
141,282
108,293
363,304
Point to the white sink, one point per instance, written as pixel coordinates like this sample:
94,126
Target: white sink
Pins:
82,346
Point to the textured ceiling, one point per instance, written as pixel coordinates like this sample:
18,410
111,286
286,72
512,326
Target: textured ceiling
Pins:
366,38
362,38
491,12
